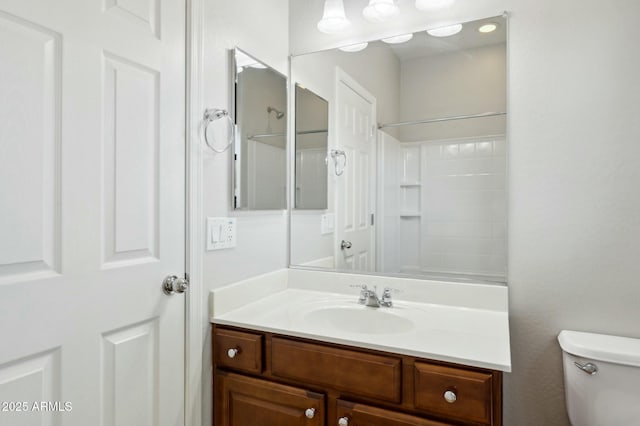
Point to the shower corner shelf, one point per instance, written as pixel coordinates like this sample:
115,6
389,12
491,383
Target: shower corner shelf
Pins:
410,184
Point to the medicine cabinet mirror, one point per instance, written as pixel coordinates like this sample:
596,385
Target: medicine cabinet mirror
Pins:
260,143
417,155
311,143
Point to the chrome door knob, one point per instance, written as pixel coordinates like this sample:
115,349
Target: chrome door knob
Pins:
310,413
345,245
172,284
343,421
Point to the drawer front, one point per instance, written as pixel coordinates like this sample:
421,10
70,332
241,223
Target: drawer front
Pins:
468,393
247,401
365,415
358,373
246,350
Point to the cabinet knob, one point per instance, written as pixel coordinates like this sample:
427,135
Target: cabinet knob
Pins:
343,421
231,353
310,413
450,397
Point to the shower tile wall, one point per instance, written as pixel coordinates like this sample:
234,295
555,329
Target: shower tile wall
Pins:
461,225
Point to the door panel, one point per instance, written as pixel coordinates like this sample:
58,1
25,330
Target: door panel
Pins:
92,200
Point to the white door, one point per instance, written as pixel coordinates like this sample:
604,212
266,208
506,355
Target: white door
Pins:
91,212
355,135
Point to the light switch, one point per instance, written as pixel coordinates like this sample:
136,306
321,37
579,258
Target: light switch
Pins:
221,233
327,223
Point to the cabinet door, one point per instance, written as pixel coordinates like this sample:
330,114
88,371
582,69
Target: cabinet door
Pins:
246,401
352,414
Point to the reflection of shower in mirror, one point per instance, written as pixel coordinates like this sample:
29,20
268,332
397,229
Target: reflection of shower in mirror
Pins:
279,114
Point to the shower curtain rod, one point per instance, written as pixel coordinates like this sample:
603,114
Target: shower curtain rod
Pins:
437,120
311,132
273,135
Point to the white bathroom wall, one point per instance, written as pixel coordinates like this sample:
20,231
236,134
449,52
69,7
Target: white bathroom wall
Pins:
574,205
260,29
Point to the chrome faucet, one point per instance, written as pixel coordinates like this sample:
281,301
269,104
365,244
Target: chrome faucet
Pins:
370,298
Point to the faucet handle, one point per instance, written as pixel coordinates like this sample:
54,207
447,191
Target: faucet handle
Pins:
386,297
363,294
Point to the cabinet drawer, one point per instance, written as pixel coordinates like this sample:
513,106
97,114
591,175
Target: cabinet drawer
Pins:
365,415
358,373
472,391
247,401
247,349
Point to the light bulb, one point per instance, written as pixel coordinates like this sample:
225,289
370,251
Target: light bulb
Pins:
445,31
433,4
380,10
333,19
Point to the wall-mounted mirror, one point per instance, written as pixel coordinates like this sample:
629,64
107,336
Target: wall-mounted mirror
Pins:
260,146
421,121
311,143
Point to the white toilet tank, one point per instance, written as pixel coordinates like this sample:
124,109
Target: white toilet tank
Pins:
611,395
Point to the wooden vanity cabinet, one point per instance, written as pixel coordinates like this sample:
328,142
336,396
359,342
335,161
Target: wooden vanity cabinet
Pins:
264,379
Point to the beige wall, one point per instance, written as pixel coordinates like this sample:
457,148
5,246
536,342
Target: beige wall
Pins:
471,81
574,209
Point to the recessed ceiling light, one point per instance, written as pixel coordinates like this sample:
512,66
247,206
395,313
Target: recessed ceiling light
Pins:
445,31
433,4
398,39
488,28
354,47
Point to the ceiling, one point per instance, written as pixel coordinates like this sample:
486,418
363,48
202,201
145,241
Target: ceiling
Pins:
423,44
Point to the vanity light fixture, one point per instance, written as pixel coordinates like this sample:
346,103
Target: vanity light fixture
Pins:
333,19
354,47
488,28
445,31
380,10
433,4
398,39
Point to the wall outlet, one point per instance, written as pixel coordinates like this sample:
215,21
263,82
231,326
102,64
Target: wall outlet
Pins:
221,233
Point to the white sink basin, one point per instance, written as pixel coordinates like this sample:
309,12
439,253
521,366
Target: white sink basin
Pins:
358,319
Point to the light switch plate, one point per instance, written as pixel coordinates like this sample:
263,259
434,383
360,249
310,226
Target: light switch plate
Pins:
221,233
327,223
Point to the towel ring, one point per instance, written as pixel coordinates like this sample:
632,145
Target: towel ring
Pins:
335,153
214,114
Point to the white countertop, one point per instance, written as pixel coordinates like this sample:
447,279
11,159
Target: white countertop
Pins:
468,335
